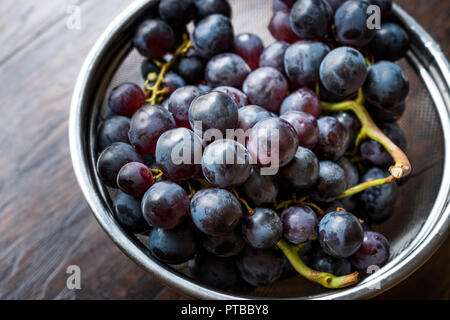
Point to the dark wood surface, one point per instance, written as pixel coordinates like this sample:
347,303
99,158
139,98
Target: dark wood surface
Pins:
45,224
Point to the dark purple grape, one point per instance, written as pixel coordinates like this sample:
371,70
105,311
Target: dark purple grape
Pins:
237,95
260,267
263,229
350,170
326,95
390,42
215,211
204,88
226,163
214,110
306,127
208,7
226,69
147,125
112,159
331,182
280,27
333,139
190,68
177,12
165,205
391,114
325,263
377,202
340,234
179,104
384,5
273,55
335,4
226,245
266,136
387,85
213,271
266,87
178,154
303,99
251,115
279,5
213,35
300,224
260,189
148,66
351,24
302,62
302,172
154,39
127,211
113,129
343,71
374,251
172,82
311,19
135,179
351,123
249,46
173,246
126,99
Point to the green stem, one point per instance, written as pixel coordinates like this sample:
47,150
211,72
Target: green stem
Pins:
244,202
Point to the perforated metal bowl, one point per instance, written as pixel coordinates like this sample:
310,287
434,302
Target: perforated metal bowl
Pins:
420,223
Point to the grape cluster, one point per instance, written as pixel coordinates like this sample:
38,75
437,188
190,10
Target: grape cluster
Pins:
202,191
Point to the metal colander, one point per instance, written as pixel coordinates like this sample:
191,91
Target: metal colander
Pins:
420,223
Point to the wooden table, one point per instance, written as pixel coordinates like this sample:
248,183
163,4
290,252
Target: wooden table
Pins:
45,224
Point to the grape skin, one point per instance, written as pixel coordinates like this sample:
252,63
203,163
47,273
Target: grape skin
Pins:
237,95
306,127
262,190
249,46
127,211
311,19
273,55
390,42
213,35
126,99
331,182
303,171
113,129
263,229
374,251
226,69
333,139
280,27
154,38
134,179
300,224
226,245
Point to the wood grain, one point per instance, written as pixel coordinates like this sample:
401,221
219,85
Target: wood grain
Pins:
45,224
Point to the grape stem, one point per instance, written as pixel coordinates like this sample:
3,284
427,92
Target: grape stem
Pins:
244,202
156,174
369,129
192,191
327,280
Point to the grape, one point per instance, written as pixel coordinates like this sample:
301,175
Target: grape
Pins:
113,129
237,95
177,12
390,42
213,271
213,35
306,127
391,114
262,190
351,123
165,205
127,211
226,245
226,69
385,6
249,46
204,88
326,95
387,85
280,27
303,99
173,246
250,115
311,19
374,153
377,202
215,211
263,229
265,134
303,171
335,4
172,82
331,182
214,110
112,159
350,170
135,179
125,99
178,152
179,104
260,267
351,24
333,139
273,55
302,62
147,125
343,71
299,224
326,263
190,68
266,87
148,66
154,39
374,251
226,163
279,5
208,7
340,234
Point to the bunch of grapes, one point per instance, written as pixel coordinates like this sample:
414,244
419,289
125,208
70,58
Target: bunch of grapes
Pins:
318,108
